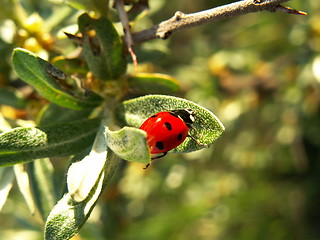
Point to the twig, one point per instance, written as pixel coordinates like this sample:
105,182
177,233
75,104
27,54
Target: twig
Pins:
289,10
119,5
181,21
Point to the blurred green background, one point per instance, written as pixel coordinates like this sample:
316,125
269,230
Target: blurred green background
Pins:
259,73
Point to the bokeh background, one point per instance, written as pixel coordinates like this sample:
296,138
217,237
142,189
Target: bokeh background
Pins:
259,73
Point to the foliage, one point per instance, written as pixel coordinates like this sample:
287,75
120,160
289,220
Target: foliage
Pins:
95,147
71,117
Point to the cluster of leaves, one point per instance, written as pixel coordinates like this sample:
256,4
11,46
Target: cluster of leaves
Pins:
84,104
260,74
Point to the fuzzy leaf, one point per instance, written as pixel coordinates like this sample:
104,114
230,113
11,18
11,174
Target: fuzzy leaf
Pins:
207,126
129,143
103,51
84,174
68,216
24,186
6,180
153,83
61,114
42,185
22,145
34,71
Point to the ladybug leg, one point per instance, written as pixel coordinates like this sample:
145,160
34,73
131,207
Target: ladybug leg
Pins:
198,142
156,157
190,126
195,139
146,166
159,156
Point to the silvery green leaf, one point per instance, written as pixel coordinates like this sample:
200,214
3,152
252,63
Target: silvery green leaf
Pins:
42,185
129,143
6,180
20,145
83,175
24,186
68,216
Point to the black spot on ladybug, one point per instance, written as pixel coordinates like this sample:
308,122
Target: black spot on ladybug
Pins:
168,126
159,145
153,116
179,137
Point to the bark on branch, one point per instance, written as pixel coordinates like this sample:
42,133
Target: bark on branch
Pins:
181,21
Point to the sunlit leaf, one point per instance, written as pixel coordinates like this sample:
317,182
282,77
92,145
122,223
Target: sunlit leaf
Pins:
24,186
42,185
153,83
4,124
129,143
84,174
34,71
68,216
6,180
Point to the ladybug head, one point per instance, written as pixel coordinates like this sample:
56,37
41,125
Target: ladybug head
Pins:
187,115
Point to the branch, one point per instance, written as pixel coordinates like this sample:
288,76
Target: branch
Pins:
119,5
181,21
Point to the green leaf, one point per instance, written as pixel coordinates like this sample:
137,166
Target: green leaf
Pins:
97,6
24,186
129,143
70,65
138,8
4,124
22,145
6,180
33,70
207,126
103,51
153,83
68,216
58,114
12,98
42,185
84,174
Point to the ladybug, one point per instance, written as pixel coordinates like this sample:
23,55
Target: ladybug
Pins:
167,130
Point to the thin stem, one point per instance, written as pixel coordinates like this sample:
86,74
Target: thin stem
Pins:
119,4
182,21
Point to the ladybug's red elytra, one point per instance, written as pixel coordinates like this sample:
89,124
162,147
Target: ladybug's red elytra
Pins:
167,130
